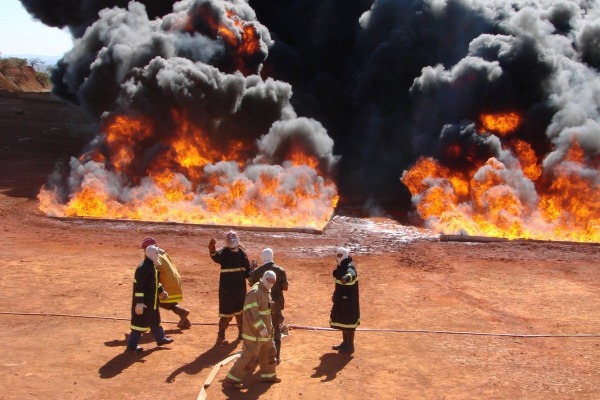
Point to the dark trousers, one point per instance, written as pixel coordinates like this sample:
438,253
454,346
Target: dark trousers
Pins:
157,331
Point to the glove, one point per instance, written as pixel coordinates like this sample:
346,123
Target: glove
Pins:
212,245
139,308
164,295
264,332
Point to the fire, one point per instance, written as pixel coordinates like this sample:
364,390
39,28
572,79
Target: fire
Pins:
298,157
241,38
510,197
500,124
192,180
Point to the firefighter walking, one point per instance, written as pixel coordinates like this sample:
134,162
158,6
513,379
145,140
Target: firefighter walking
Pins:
170,279
257,334
145,315
281,285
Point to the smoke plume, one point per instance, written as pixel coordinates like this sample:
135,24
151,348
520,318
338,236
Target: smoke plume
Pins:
388,81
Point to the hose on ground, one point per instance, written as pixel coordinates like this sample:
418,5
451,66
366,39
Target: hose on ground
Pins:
318,328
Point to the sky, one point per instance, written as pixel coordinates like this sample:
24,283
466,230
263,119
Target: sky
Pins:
20,34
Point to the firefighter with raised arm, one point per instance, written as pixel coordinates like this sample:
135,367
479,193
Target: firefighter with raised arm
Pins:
235,268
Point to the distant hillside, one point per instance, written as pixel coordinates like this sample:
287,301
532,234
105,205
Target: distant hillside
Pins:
47,62
19,75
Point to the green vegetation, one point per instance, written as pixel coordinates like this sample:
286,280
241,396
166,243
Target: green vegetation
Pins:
43,78
19,69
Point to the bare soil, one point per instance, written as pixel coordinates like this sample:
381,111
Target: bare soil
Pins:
440,320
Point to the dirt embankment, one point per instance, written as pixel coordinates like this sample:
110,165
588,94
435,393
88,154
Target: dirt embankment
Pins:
17,75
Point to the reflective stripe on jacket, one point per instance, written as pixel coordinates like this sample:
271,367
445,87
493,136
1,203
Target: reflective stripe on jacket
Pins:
170,279
257,314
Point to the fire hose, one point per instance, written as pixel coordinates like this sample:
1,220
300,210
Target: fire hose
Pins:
213,372
318,328
202,395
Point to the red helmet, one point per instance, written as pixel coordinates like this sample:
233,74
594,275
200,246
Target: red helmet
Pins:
147,242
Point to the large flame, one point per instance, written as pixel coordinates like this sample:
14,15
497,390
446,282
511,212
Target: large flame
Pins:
511,198
190,180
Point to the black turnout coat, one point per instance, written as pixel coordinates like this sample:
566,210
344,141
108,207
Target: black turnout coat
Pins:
146,288
345,312
235,268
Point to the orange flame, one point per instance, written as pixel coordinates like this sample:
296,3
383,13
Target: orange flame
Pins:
122,135
510,199
501,124
240,37
180,186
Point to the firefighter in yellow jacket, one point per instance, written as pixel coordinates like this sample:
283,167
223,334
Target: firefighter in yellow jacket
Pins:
171,282
257,334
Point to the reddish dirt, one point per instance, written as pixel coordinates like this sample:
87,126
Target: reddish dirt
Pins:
16,77
66,290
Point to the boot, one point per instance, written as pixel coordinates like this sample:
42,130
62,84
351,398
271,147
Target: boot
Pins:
184,322
220,337
223,324
238,320
349,347
341,345
278,348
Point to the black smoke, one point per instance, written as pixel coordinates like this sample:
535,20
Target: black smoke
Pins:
389,80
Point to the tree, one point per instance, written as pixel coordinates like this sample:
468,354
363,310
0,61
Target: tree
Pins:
35,63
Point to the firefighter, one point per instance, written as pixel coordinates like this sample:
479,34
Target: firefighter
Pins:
345,312
235,268
267,264
145,313
257,334
171,281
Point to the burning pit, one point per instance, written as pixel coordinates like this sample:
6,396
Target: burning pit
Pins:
472,117
509,195
190,142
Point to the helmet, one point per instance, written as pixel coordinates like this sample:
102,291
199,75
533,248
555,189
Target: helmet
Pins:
147,242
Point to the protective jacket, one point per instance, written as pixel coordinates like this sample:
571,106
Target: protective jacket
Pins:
257,314
235,268
169,278
280,284
146,288
345,312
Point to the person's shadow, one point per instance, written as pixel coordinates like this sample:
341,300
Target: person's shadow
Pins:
146,338
253,389
331,364
205,360
124,360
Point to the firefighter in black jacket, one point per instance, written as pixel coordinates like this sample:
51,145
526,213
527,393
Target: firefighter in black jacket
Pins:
267,264
235,268
145,314
345,313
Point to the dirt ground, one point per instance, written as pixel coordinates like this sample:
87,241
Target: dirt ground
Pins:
440,320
